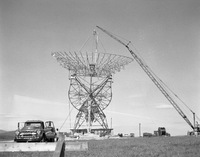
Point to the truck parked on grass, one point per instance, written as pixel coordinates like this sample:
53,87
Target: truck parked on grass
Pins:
35,131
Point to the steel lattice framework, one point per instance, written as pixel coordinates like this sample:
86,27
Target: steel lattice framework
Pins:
83,63
90,90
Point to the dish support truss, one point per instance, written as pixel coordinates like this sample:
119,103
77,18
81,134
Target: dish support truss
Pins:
90,90
90,96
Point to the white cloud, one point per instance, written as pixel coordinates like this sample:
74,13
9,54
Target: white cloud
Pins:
10,115
27,108
32,107
136,95
164,106
128,114
24,99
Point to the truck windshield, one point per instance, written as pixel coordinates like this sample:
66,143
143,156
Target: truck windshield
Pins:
35,125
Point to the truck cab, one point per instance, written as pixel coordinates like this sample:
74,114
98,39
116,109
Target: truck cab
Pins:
35,131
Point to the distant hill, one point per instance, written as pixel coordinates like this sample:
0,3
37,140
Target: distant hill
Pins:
2,131
7,135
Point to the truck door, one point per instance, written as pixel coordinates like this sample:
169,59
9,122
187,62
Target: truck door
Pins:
50,124
20,125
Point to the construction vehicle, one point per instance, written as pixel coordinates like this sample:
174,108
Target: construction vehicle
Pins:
160,85
35,131
147,134
161,132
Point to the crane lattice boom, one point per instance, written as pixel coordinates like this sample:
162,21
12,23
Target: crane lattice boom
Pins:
152,77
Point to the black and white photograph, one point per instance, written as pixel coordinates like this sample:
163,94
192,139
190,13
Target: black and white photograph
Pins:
99,78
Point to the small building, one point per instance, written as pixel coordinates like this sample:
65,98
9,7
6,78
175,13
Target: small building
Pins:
147,134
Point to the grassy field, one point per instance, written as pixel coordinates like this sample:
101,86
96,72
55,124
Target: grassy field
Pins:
7,135
184,146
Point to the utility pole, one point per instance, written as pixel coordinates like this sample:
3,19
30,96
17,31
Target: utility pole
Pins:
111,123
139,129
69,116
194,119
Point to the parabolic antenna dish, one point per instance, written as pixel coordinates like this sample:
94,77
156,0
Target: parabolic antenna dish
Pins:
91,64
90,90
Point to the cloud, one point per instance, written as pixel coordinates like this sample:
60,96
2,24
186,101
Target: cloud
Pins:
164,106
128,114
25,99
5,115
10,116
135,95
28,107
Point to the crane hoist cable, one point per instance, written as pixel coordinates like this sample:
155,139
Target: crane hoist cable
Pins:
66,118
85,43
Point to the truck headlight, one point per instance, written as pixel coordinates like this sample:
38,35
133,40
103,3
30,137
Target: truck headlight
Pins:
17,133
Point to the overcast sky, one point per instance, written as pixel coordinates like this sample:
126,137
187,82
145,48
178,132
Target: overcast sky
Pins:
34,86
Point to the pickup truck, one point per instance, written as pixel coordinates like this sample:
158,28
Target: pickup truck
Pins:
35,131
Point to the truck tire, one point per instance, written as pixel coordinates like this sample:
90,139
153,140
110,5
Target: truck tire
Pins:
44,139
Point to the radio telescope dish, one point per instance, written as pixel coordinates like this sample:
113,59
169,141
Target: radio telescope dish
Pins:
90,90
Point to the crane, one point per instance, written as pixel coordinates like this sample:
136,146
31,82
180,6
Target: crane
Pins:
155,80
